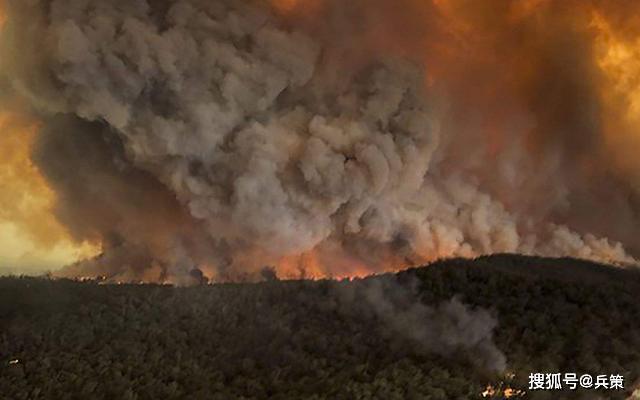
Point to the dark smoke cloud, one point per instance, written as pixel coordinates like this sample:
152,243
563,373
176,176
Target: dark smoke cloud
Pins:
216,132
102,197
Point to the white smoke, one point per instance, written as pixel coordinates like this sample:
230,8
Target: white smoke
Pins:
230,112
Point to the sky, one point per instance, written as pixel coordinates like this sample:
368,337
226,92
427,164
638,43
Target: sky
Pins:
322,136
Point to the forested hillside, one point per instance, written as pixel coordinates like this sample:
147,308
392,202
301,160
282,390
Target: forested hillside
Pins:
445,331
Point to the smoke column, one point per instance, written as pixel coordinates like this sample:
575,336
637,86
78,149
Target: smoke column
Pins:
327,138
450,329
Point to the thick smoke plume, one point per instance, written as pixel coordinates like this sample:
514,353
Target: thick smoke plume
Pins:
362,135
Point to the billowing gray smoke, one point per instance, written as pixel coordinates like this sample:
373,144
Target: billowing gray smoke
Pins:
446,329
198,132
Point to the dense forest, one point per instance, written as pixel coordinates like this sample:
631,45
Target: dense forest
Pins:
456,329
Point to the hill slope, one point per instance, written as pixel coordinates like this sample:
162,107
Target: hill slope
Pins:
436,332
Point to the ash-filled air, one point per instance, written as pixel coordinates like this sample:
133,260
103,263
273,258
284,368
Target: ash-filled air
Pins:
324,138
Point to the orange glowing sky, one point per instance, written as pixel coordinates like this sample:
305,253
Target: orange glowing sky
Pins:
618,56
32,239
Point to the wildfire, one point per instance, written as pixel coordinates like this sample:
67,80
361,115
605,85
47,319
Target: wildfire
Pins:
312,265
503,390
31,235
490,391
301,266
500,392
466,48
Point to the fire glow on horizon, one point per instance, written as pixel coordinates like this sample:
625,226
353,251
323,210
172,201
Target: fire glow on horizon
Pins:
32,239
485,71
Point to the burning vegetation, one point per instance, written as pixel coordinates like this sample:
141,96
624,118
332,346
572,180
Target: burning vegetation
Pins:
282,142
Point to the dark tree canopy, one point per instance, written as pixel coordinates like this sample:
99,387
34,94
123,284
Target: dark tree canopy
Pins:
62,339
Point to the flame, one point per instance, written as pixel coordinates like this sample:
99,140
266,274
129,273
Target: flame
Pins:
490,391
316,264
503,393
305,265
509,392
31,236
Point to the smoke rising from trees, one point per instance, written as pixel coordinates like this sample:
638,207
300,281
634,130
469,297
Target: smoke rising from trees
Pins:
225,134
